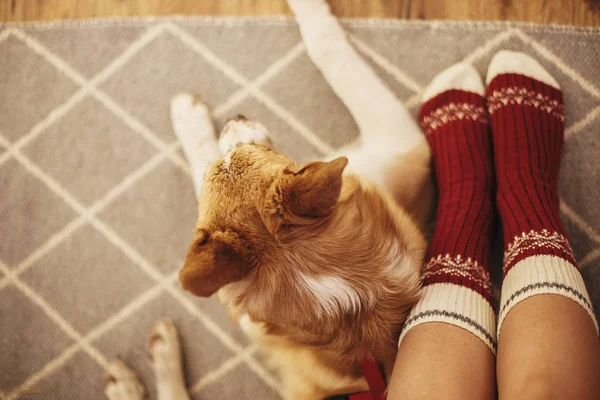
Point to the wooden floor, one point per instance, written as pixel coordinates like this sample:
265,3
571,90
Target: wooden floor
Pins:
573,12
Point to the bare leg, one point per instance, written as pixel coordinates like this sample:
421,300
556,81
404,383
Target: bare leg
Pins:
438,360
122,383
446,350
166,358
548,338
548,349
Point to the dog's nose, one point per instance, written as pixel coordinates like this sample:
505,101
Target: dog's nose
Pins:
238,117
240,130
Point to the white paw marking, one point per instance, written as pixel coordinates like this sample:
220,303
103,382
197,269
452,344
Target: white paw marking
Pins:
240,130
165,350
184,104
122,383
190,117
164,347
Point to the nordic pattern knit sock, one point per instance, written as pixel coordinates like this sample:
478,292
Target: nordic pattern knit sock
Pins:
457,287
527,119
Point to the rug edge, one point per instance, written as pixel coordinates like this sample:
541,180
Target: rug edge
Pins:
284,20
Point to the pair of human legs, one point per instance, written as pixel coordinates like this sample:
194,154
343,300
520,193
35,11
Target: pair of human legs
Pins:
547,335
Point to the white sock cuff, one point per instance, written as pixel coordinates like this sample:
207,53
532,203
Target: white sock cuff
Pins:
543,274
455,305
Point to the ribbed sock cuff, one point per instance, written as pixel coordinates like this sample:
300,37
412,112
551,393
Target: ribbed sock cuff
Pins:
543,274
455,305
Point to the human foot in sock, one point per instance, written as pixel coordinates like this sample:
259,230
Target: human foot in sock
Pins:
527,120
457,288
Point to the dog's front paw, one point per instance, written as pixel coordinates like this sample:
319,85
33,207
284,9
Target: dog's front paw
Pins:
241,130
122,383
185,104
164,347
190,117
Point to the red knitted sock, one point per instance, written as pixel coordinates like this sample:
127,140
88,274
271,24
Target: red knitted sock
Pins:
527,120
457,288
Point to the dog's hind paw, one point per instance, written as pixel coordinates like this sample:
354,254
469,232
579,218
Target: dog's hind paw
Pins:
122,383
164,348
165,351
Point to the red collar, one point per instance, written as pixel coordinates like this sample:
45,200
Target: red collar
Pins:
375,380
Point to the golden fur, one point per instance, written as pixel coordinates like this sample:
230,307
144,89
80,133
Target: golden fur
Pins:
271,233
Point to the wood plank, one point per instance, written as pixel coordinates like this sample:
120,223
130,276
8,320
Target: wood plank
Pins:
573,12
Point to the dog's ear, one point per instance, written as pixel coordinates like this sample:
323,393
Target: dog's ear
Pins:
302,197
213,261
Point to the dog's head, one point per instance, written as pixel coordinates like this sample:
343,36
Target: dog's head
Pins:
252,199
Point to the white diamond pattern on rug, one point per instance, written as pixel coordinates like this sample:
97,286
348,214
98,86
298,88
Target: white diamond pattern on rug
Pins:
89,150
71,381
146,83
88,49
281,132
82,278
585,48
29,341
583,243
112,149
578,188
128,341
26,96
29,216
157,216
414,48
308,83
250,48
214,309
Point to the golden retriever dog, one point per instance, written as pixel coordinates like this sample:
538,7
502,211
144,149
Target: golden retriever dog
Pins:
321,262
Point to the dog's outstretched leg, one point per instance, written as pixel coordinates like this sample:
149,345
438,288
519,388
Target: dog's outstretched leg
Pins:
195,130
393,151
122,383
165,350
376,110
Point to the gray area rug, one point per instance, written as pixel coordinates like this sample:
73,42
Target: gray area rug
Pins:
96,200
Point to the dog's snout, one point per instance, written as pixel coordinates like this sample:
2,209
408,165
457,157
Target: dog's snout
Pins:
238,117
